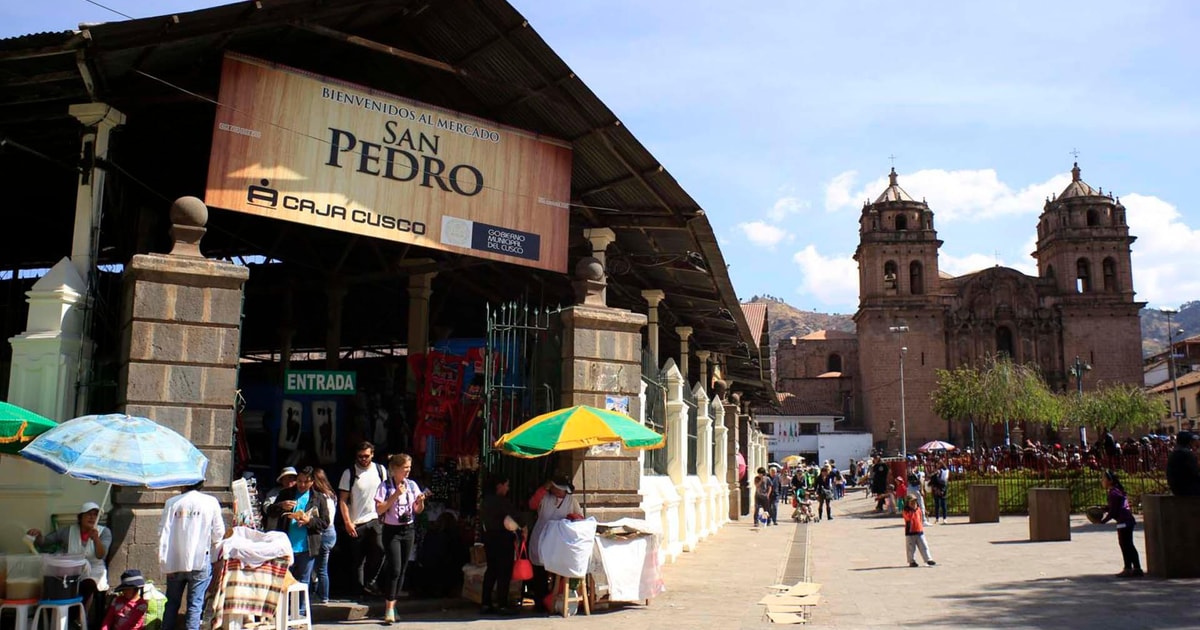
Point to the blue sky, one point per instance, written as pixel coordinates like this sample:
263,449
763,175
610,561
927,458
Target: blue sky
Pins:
779,119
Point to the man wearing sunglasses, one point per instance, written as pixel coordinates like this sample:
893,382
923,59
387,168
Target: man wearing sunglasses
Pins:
356,502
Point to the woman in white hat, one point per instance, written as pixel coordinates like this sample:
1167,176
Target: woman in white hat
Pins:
87,538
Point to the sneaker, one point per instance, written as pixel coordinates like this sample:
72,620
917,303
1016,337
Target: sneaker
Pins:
931,563
1137,573
912,564
389,618
372,590
1125,573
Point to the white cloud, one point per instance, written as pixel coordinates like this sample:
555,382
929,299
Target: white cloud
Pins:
832,280
785,206
837,192
1163,255
952,195
764,234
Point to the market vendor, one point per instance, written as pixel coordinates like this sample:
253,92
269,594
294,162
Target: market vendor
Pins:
553,500
87,538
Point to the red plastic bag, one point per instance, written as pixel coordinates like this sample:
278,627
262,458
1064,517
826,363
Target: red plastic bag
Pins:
522,567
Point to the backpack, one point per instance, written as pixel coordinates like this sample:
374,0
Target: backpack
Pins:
379,469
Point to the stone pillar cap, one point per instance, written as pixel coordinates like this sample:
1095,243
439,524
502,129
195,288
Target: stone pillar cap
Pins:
188,215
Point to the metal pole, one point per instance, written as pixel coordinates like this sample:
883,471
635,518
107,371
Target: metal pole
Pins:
1175,411
903,420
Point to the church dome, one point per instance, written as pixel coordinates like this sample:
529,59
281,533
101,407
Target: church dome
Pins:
893,192
1078,187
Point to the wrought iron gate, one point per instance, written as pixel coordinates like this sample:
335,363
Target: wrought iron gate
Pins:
522,378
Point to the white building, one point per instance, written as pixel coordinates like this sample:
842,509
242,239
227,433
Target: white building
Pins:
799,427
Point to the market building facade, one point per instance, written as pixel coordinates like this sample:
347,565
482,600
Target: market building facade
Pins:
285,227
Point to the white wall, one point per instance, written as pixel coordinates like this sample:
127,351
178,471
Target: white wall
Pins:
841,447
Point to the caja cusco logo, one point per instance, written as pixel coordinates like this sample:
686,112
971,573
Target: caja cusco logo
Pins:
263,196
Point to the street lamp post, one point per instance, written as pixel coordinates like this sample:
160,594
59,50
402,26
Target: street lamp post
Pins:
903,421
1077,370
1175,411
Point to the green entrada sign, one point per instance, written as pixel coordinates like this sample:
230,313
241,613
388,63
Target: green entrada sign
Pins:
319,382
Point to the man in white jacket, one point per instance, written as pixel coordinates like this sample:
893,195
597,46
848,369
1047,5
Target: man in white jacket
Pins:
190,529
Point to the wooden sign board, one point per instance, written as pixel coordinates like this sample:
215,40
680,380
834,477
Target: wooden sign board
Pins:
299,147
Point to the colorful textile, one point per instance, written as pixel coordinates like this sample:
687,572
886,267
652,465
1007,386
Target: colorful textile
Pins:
247,591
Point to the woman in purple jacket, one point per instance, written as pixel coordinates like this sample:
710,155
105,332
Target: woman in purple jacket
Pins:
1119,511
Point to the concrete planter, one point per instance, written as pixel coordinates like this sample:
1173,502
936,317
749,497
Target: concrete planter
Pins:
1172,546
983,504
1049,514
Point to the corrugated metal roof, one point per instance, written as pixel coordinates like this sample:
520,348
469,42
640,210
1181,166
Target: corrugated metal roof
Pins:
756,319
493,64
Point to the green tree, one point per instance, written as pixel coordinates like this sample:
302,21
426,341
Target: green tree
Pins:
1000,392
1118,406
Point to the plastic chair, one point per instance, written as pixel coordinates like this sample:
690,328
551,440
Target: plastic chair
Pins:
287,613
21,609
58,612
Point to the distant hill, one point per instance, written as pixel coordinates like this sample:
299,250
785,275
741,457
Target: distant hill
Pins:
787,321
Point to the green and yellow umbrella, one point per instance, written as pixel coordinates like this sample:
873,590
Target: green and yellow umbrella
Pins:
19,426
576,427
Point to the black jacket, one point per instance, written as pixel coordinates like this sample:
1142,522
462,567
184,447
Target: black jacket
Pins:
318,524
1183,473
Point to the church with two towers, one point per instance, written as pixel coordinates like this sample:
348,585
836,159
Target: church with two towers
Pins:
1081,304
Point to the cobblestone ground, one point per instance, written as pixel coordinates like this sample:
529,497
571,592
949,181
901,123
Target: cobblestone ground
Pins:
987,576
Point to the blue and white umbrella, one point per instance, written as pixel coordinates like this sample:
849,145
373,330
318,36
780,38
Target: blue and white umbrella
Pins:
121,450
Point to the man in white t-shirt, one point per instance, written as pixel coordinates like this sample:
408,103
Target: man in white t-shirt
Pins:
356,503
190,529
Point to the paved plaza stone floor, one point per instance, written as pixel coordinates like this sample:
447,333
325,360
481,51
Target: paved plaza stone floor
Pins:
988,576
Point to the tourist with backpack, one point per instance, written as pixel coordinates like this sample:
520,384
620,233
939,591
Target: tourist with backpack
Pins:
356,503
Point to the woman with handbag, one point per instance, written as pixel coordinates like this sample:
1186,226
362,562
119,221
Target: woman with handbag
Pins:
500,533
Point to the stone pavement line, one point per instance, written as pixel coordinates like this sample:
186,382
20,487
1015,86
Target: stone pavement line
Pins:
988,576
717,586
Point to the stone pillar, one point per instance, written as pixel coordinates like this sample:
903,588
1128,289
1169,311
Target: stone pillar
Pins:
335,294
732,449
601,238
181,339
42,377
602,356
420,288
721,474
653,297
685,333
98,121
704,463
676,424
702,357
742,435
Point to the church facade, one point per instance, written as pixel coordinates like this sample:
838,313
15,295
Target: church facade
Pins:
1081,304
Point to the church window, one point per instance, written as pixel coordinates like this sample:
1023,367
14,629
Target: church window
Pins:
1110,274
901,222
1004,342
1083,276
889,274
916,278
833,363
1093,218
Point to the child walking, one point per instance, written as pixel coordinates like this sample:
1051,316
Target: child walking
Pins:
914,534
1118,510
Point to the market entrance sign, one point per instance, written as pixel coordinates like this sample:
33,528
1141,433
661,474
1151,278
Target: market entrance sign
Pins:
319,382
298,147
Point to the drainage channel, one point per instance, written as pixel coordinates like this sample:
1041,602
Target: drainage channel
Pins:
795,568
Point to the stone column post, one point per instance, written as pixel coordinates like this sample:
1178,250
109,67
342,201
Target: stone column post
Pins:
601,238
704,465
721,467
335,293
685,333
653,297
702,357
420,288
602,357
676,425
181,340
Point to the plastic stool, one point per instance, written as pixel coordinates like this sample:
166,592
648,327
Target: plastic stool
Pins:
57,613
287,613
21,608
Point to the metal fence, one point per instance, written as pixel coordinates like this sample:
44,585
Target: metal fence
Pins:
654,461
522,378
1084,484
